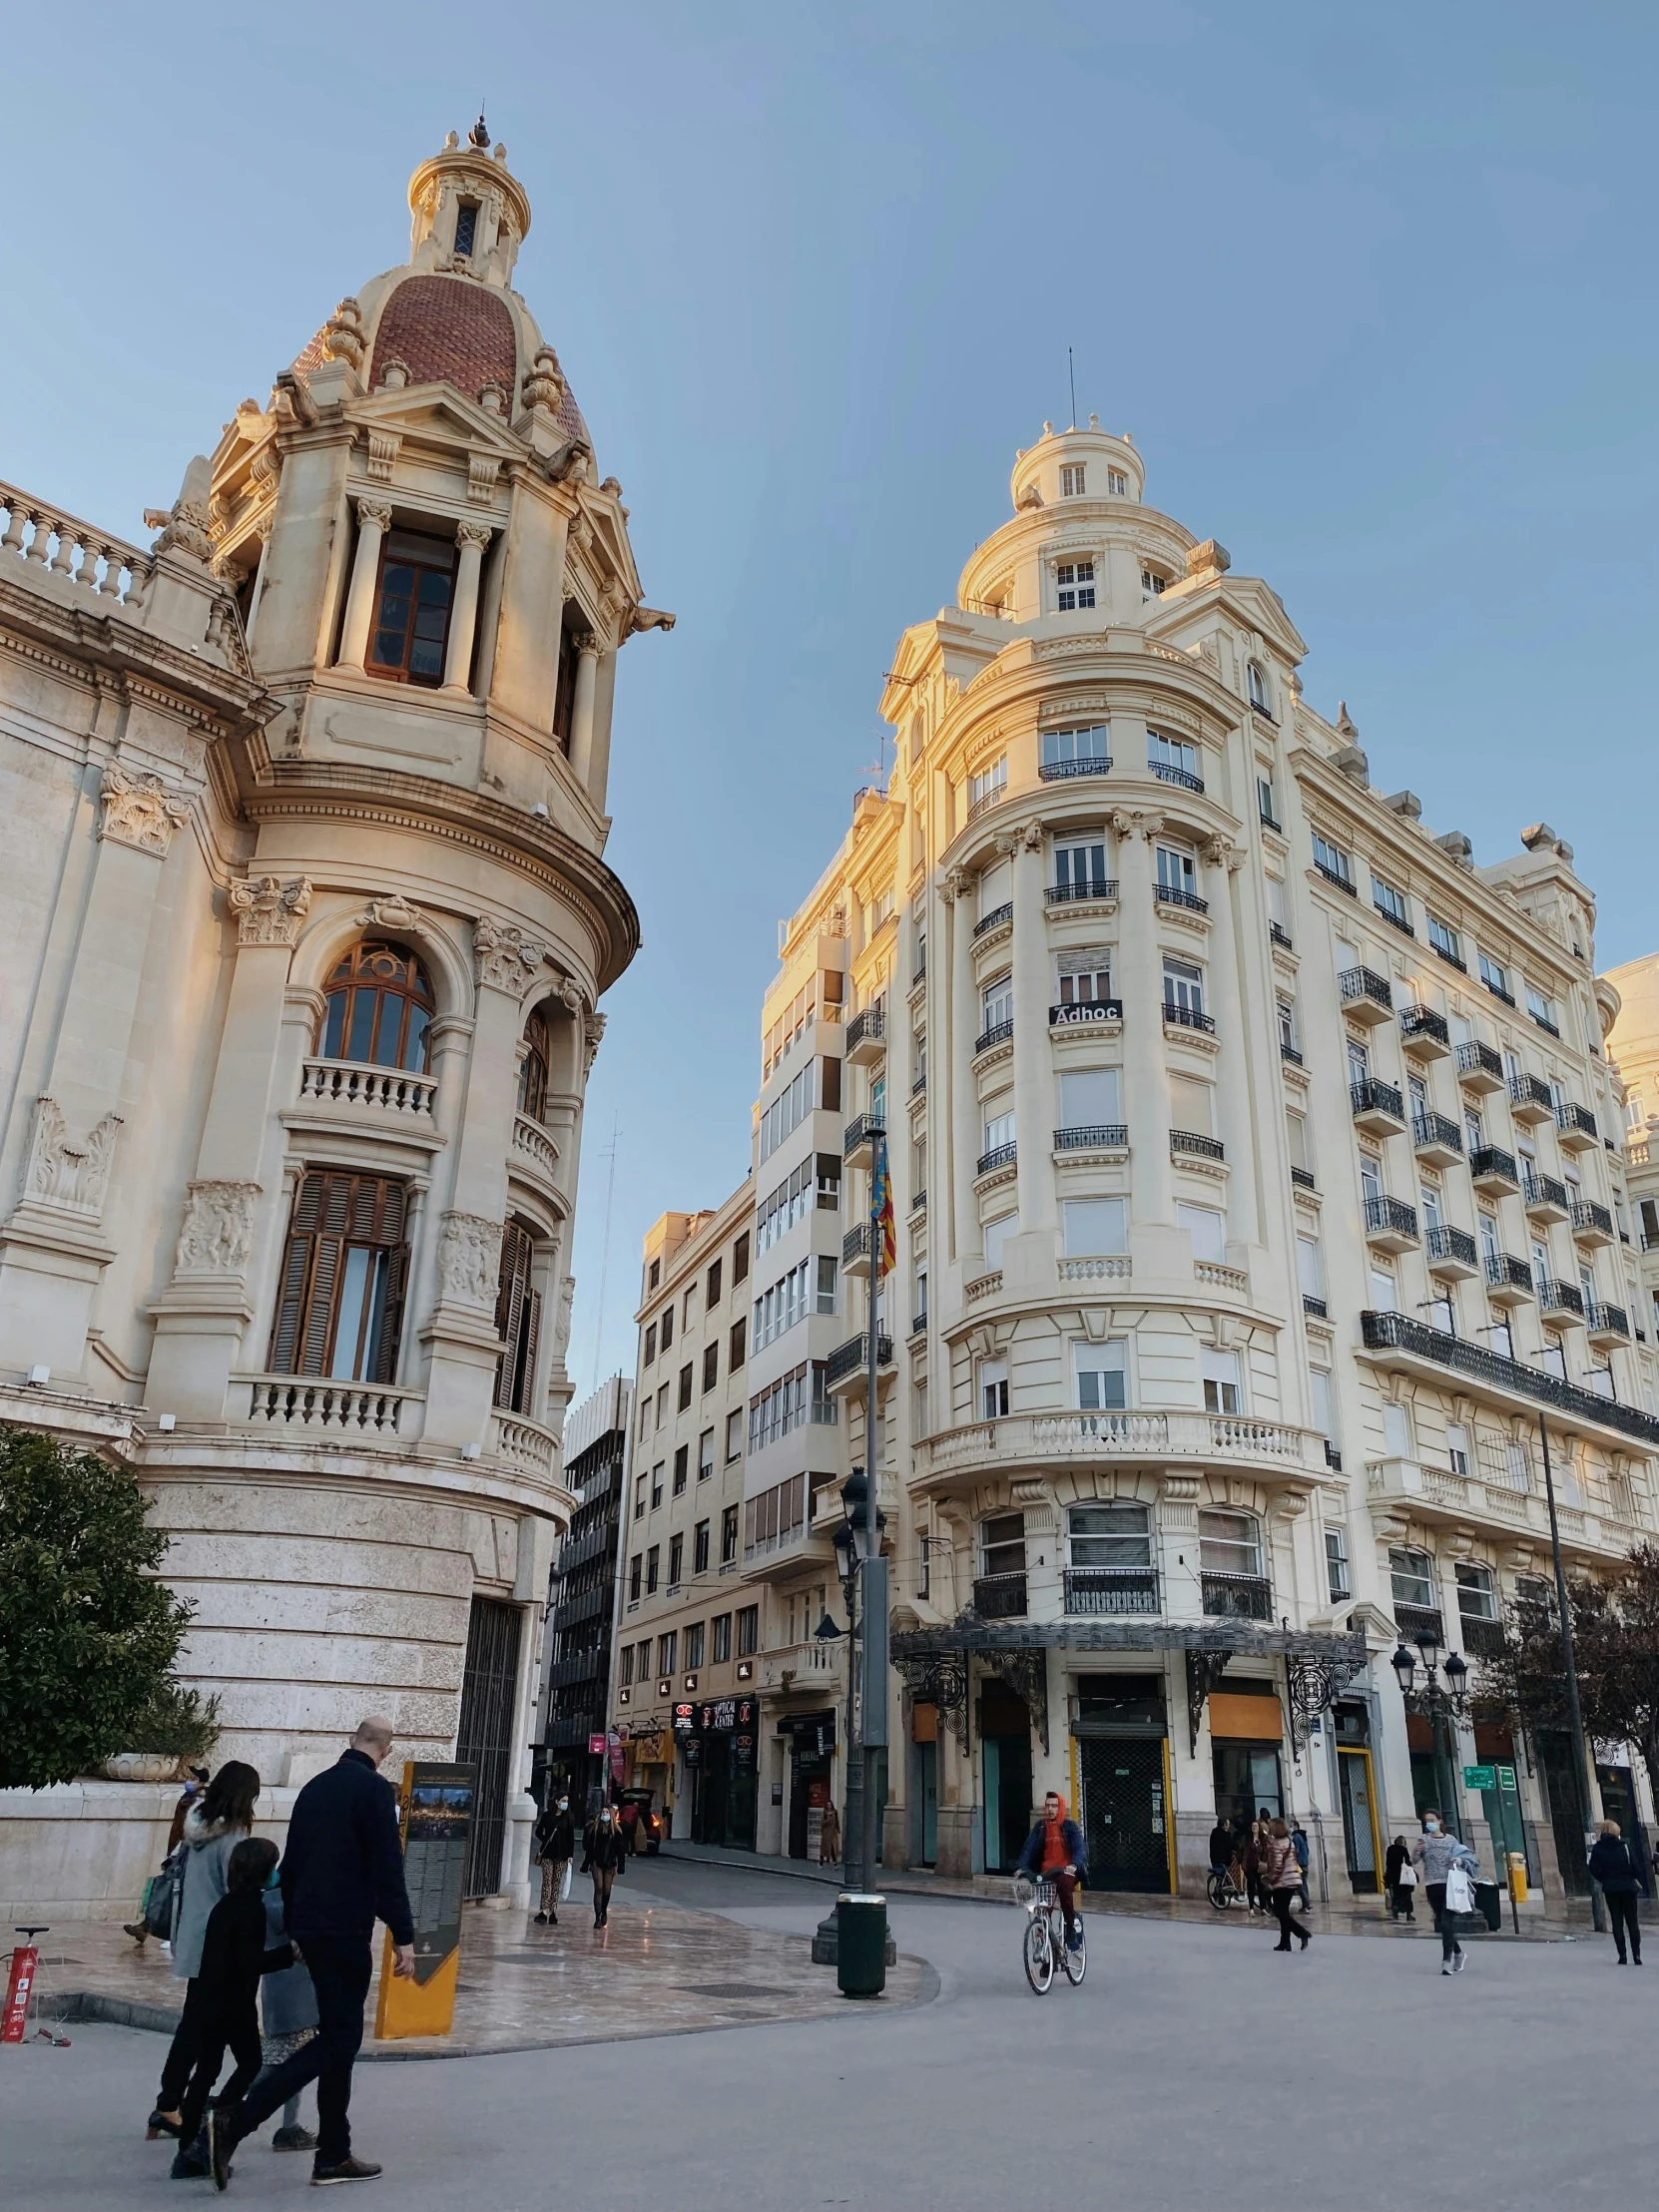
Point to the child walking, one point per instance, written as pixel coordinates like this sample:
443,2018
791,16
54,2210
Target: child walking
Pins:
288,2016
234,1957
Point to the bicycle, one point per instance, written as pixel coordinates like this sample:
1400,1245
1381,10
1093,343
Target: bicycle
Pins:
1045,1944
1222,1891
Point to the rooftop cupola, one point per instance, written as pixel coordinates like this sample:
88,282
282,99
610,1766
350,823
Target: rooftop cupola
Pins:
470,212
1077,464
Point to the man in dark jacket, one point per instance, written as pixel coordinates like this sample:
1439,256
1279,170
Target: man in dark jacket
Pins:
1220,1845
1611,1866
342,1871
1055,1851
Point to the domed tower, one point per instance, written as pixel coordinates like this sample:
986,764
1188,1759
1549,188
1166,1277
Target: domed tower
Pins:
317,998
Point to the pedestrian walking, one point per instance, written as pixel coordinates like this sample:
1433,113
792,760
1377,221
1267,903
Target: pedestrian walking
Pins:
139,1929
1448,1870
234,1957
288,2018
603,1851
211,1827
1399,1879
341,1872
1299,1844
1250,1857
830,1837
1611,1866
555,1848
1280,1876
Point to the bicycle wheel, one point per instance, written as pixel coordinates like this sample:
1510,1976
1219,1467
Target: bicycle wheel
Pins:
1076,1963
1217,1890
1040,1959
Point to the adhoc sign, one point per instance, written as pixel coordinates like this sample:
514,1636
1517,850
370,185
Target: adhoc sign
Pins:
438,1803
1086,1014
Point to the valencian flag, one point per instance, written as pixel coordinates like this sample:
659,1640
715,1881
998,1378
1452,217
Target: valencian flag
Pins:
880,1207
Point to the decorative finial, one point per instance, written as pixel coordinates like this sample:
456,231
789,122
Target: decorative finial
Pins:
479,135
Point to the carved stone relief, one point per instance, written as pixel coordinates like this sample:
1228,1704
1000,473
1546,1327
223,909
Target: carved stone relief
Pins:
218,1233
593,1029
503,956
391,913
268,910
140,810
469,1260
72,1176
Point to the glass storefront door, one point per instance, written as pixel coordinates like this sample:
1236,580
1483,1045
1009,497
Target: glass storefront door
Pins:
1353,1769
1247,1781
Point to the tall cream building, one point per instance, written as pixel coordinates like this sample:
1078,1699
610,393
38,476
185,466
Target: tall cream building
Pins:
310,922
1259,1188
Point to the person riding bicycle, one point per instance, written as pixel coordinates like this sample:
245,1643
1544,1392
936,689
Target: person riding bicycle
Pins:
1055,1852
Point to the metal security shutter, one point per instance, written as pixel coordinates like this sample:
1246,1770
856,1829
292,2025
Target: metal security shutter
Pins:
485,1736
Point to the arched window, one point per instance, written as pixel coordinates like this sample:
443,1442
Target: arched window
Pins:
532,1074
379,1008
517,1321
1231,1566
1257,688
339,1306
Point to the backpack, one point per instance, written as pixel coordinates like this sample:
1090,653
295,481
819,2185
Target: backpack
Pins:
163,1894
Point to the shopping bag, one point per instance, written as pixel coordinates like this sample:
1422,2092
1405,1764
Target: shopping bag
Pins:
1407,1875
564,1886
162,1894
1460,1891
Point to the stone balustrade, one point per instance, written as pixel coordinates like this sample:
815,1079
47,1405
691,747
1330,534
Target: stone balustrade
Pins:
527,1444
352,1084
1017,1440
60,545
1436,1495
313,1403
534,1146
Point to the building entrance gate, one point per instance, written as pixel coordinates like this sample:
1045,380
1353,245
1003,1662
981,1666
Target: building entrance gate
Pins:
484,1738
1125,1812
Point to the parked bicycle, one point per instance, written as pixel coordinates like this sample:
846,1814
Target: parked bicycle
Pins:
1045,1946
1221,1889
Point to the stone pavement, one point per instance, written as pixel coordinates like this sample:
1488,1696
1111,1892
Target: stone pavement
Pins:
655,1968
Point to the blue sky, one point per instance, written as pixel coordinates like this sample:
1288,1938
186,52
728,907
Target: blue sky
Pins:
1374,291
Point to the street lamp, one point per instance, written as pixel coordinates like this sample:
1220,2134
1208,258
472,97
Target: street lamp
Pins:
1442,1705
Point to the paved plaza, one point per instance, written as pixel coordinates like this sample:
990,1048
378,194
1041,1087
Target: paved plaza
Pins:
1195,2065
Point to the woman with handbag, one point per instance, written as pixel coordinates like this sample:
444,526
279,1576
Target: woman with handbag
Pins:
1399,1879
1281,1879
1448,1870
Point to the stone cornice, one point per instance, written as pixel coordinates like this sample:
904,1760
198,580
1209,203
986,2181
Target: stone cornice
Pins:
83,644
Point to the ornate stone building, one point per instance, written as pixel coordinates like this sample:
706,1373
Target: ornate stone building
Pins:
310,922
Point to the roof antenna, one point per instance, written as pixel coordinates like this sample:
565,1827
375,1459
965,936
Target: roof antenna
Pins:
1072,374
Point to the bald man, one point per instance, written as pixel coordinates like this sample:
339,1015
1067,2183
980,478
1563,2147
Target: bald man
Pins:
341,1872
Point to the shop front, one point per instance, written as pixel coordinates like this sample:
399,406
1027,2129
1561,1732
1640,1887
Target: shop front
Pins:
1247,1727
1120,1758
719,1742
1357,1790
810,1739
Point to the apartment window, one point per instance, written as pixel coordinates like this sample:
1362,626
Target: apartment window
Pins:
1152,584
1074,585
777,1310
627,1674
1256,685
788,1111
1089,1098
1002,1544
339,1302
1102,1376
1265,809
985,789
662,1406
686,1306
1495,976
676,1561
1117,482
1391,904
1385,1293
1321,1402
1176,872
378,1008
711,1295
1336,1565
412,607
1183,987
1081,742
995,1235
1542,1010
636,1569
705,1456
1109,1536
1411,1576
1207,1227
739,1258
466,227
996,1002
640,1484
1071,479
657,1485
1457,1447
1080,867
1223,1392
993,1388
681,1456
1333,861
653,1569
1229,1543
694,1646
700,1548
650,1352
1477,1593
643,1663
1085,978
722,1639
733,1434
667,1336
710,1365
1445,940
1287,1046
1475,1128
1173,760
1396,1432
668,1645
735,1345
1296,1130
1094,1226
1309,1276
749,1628
656,1275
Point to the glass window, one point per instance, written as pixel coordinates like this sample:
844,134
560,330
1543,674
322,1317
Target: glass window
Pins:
722,1639
1389,904
1411,1575
1084,740
1309,1278
1094,1226
1183,987
1102,1372
1384,1295
1176,870
532,1070
1074,585
339,1301
1323,1408
1457,1447
996,1003
1222,1390
1080,865
700,1549
694,1644
728,1536
985,789
378,1008
996,1234
1170,753
1109,1535
1086,977
1336,1565
1072,475
1002,1544
1257,686
749,1631
1330,859
1396,1432
993,1388
1445,939
1476,1592
1494,975
412,614
1229,1543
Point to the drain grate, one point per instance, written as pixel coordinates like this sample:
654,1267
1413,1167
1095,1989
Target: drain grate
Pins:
734,1989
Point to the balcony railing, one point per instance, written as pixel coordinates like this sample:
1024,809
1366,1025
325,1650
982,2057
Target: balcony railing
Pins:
1315,1308
868,1027
998,1034
1110,1590
1453,1247
1187,1017
1072,894
1303,1178
51,528
1414,1621
1391,1217
1333,1457
1603,1319
1444,952
1500,990
1403,1333
300,1401
1494,1168
1056,771
1437,1136
994,919
1335,876
853,1357
1199,1146
1560,1298
1542,1194
1505,1274
1171,894
1182,778
1096,1136
1531,1099
863,1132
986,801
1374,1100
349,1083
1280,937
534,1146
1239,1597
918,1204
1482,1639
1085,1013
999,1156
1040,1439
1577,1125
1591,1222
1480,1068
1000,1597
1289,1055
1424,1027
1363,986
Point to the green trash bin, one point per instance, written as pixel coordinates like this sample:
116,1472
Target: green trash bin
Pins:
1488,1903
861,1944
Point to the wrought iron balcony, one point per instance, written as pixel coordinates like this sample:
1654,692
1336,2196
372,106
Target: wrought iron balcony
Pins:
1403,1333
848,1360
998,1034
1592,1224
1316,1307
1171,894
1544,1198
1187,1017
1423,1032
1508,1281
1333,1457
999,1156
1500,990
866,1036
1531,1099
1085,1013
1451,1253
1378,1107
1577,1127
1303,1179
1110,1590
1182,778
1280,937
994,919
1607,1324
918,1204
859,1138
1000,1597
1494,1171
1239,1597
1056,771
1097,1136
1479,1068
1335,876
1394,921
1451,959
1437,1139
1289,1055
1199,1147
1391,1225
1365,994
1482,1639
1560,1303
1266,820
1414,1621
1074,894
856,1249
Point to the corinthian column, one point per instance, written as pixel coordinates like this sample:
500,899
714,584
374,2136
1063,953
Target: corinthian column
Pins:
963,1214
1141,990
471,537
373,522
1233,1068
1033,1070
581,707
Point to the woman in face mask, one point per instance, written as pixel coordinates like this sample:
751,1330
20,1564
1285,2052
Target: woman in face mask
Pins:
604,1852
1446,1860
